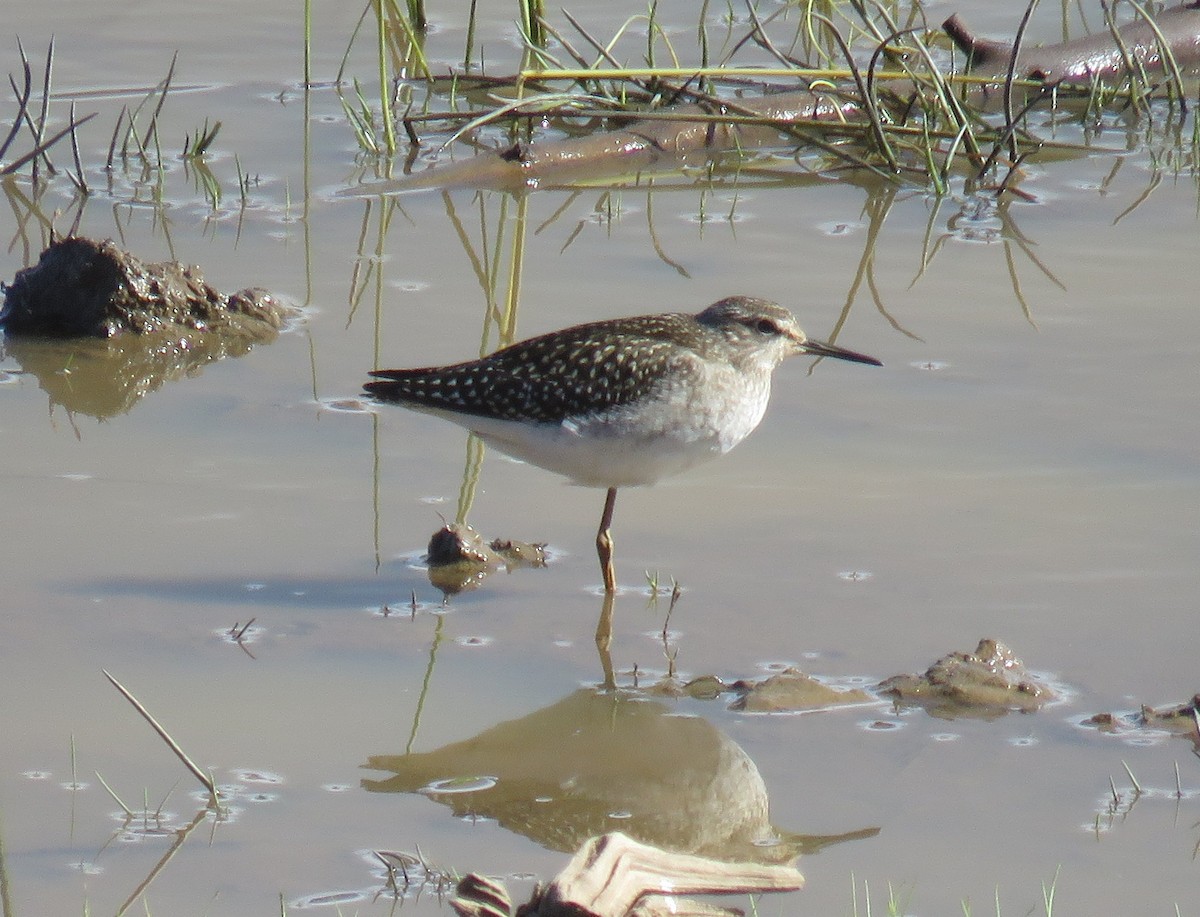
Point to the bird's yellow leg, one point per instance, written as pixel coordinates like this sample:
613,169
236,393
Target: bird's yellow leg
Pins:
604,543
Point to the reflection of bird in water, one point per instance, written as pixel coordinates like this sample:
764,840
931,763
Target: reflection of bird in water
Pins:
620,402
601,761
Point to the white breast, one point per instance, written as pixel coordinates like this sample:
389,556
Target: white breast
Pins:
638,443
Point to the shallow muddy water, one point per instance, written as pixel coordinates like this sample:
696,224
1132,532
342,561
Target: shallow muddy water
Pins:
1024,467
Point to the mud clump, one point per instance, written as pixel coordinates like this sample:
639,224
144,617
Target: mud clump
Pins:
100,329
791,691
1177,719
459,558
85,289
986,683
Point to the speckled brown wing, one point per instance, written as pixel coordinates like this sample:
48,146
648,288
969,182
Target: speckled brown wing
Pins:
570,373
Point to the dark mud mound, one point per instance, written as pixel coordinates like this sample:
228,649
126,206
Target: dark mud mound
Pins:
83,288
100,329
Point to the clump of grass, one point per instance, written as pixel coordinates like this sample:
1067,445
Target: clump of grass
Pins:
916,123
407,872
362,120
532,23
195,146
399,40
135,140
38,156
896,906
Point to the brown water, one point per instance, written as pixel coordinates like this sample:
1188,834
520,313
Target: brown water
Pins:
1023,467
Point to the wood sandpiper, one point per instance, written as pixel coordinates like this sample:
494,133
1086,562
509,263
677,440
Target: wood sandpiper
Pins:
619,402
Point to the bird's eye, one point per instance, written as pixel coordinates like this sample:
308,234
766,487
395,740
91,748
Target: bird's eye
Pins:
766,326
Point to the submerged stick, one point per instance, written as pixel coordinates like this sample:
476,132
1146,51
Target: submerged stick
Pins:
1170,42
638,146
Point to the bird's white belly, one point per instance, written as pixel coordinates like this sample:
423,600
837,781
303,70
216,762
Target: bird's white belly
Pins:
594,458
634,445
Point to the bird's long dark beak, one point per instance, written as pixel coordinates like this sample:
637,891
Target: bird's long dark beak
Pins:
821,349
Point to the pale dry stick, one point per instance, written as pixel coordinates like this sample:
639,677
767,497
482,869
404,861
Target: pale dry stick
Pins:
1137,787
113,793
191,765
566,45
612,873
749,75
758,35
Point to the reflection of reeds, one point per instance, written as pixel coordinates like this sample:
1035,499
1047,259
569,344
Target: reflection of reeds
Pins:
134,145
181,835
497,258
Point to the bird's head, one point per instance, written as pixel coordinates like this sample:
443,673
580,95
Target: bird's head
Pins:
770,331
